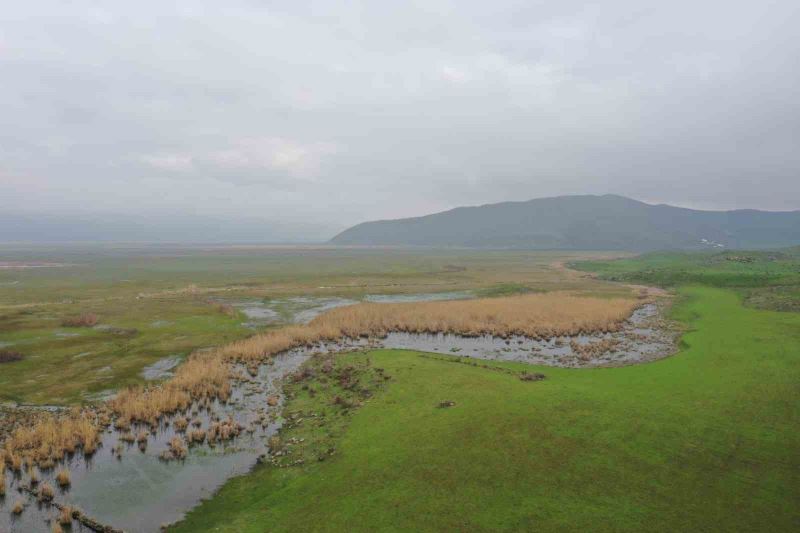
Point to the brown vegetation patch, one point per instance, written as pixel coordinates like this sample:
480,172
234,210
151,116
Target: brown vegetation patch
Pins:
84,320
226,309
46,493
63,478
10,356
531,376
50,438
65,516
593,349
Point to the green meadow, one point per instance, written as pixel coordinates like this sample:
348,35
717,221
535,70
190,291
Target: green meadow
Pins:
767,279
705,440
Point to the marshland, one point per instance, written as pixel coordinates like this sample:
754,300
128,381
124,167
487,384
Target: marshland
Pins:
399,266
138,350
281,394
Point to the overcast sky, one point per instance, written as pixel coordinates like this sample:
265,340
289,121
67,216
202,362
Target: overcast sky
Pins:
334,113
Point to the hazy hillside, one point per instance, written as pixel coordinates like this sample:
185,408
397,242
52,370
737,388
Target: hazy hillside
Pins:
607,222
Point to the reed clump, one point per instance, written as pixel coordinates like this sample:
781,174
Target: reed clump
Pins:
50,439
65,516
224,430
46,492
33,476
594,349
196,436
63,478
180,424
177,448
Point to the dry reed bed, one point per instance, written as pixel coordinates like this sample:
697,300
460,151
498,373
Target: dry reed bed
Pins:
533,315
208,376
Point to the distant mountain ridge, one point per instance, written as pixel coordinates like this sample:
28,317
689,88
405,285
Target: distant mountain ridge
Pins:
607,222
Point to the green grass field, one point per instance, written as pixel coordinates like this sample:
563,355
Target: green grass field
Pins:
705,440
765,279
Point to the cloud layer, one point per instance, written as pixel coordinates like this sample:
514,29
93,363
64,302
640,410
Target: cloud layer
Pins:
334,114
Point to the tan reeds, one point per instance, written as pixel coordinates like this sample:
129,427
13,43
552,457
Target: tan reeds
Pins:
177,448
46,492
196,436
531,315
180,424
50,438
65,516
63,478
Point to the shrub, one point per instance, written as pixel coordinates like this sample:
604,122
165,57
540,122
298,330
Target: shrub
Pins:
531,376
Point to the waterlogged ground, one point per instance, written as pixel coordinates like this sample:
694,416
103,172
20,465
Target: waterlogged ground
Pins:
644,337
303,309
137,491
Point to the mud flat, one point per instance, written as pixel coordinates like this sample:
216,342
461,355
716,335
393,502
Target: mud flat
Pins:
162,368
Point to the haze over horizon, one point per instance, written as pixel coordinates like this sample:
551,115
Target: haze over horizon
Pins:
315,117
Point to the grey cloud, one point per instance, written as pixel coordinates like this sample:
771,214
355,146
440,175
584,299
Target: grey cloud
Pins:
342,112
